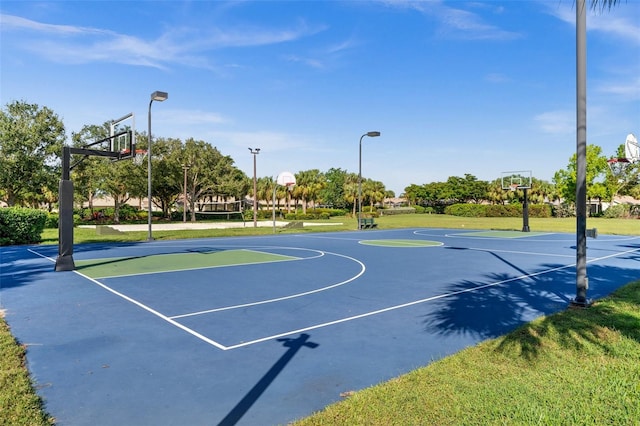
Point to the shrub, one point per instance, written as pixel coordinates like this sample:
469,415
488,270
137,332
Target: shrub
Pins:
52,220
21,226
401,210
618,211
497,210
466,210
540,210
563,210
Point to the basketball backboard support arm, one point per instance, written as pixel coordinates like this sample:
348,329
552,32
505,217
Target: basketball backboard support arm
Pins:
64,261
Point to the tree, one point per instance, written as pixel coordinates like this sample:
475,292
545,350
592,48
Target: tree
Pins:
211,175
265,189
373,192
333,192
350,191
31,140
85,174
309,183
596,168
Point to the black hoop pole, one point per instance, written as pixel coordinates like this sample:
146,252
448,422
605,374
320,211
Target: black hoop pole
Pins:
525,212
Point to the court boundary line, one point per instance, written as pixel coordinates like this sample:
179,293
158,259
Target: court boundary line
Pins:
279,299
291,258
338,321
420,301
145,307
532,253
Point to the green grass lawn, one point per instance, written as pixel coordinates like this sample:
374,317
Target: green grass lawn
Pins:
579,366
604,226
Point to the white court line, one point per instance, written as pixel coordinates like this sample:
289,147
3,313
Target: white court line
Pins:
533,253
417,302
291,258
343,320
145,307
279,299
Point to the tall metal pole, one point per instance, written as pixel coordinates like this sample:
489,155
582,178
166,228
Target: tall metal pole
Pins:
155,96
371,135
581,155
149,208
360,183
255,152
184,195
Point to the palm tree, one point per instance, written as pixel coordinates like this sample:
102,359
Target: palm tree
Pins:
350,190
374,192
308,186
265,189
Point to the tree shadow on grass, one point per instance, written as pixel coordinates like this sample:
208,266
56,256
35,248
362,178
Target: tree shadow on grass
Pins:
598,325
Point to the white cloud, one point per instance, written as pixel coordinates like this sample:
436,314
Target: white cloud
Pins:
190,117
497,78
608,21
560,122
626,90
456,22
71,44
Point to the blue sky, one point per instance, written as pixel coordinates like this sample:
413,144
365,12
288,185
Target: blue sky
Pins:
454,87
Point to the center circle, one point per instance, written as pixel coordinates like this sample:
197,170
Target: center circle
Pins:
401,243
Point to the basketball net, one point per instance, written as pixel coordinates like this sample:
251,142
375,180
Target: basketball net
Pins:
138,159
618,166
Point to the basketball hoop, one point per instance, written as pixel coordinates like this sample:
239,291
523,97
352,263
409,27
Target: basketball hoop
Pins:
287,179
513,187
618,167
138,156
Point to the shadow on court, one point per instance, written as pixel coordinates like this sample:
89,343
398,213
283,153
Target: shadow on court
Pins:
465,312
112,351
254,394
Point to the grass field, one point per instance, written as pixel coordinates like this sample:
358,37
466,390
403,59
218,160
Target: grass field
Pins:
576,367
604,226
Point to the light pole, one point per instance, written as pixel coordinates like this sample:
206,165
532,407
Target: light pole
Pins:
155,96
185,167
371,135
255,152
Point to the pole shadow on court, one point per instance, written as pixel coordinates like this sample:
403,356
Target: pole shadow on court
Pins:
252,396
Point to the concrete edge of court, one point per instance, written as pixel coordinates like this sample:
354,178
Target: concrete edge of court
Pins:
182,226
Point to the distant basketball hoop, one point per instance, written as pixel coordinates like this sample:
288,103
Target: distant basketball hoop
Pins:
288,180
618,167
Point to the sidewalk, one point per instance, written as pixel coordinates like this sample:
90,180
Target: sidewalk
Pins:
177,226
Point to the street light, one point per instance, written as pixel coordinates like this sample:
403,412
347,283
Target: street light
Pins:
371,135
185,167
255,152
155,96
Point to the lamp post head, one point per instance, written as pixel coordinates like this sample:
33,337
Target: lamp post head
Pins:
159,96
254,150
373,134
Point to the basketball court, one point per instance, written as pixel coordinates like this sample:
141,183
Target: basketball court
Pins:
265,330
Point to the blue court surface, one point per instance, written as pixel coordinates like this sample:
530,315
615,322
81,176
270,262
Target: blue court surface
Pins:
265,330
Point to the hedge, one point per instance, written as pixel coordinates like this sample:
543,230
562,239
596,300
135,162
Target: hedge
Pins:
497,210
21,226
399,210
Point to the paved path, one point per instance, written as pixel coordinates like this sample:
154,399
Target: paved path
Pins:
202,225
